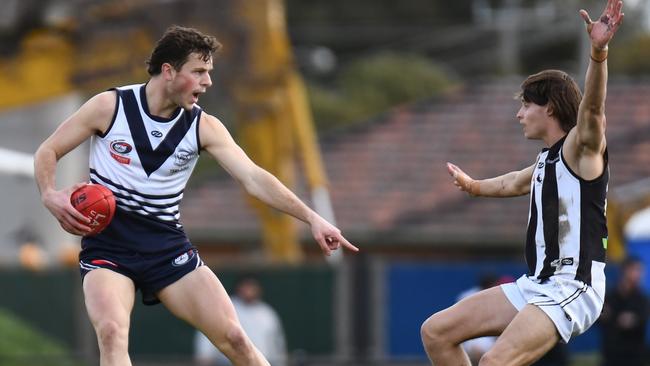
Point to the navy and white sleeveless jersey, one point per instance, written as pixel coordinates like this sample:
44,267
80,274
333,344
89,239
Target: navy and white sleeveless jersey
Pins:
567,229
146,161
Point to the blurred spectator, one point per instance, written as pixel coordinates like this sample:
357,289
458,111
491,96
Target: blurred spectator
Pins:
624,318
476,347
258,319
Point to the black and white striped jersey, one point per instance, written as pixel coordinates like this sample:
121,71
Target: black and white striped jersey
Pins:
567,229
144,159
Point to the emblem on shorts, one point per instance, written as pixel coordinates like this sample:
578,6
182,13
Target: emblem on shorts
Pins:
120,148
103,262
183,258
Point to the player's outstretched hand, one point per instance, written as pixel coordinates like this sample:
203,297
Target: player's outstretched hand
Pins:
329,237
602,30
463,181
71,220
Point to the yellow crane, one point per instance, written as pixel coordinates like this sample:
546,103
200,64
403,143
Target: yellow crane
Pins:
274,117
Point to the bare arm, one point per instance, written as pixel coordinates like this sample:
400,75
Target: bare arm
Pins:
590,127
586,143
591,113
511,184
263,185
92,117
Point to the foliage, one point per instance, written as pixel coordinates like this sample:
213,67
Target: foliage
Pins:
21,345
372,85
404,12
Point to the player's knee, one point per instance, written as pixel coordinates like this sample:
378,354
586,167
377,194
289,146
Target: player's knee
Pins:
237,340
490,359
111,334
431,333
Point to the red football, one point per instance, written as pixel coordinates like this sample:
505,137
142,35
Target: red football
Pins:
95,202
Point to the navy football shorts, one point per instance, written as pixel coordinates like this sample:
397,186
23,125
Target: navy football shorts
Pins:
150,272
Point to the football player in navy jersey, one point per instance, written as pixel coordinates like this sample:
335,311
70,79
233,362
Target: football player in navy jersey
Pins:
143,138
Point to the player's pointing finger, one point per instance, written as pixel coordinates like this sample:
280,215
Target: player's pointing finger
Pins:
348,245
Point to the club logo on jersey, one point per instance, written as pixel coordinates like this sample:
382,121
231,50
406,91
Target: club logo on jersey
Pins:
156,134
120,148
540,165
553,161
539,178
183,258
183,157
562,262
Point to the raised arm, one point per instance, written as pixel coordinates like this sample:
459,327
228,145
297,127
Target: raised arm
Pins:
512,184
94,116
263,185
590,129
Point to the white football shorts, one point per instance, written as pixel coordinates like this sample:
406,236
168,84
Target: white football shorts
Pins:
572,305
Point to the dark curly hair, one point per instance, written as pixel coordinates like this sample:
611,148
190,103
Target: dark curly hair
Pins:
557,89
176,44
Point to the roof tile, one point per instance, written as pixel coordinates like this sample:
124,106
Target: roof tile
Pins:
389,175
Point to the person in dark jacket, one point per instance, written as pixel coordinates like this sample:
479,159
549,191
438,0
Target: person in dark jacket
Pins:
624,318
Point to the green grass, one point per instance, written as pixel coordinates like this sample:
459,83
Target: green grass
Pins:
22,345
